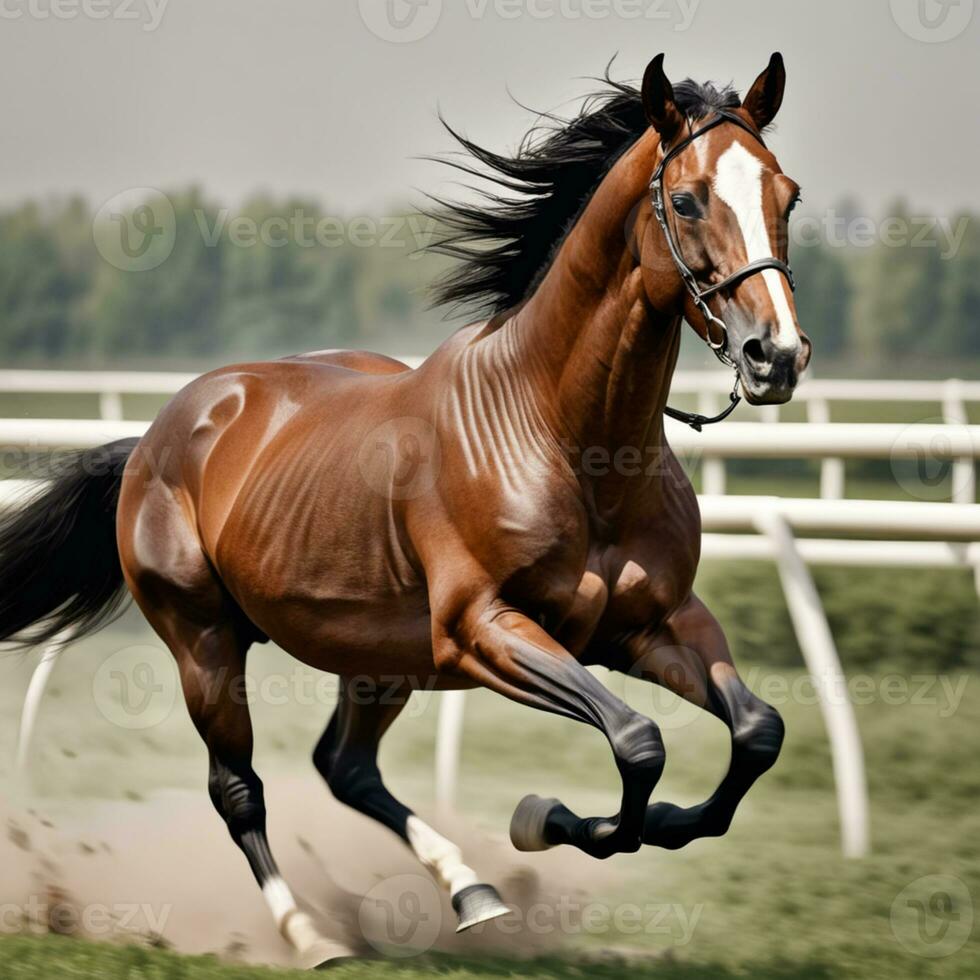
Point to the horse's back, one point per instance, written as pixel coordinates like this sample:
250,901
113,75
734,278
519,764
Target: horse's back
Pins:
365,362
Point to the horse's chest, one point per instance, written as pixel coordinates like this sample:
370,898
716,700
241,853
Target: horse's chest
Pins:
632,596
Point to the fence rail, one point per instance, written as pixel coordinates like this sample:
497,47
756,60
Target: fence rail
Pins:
951,396
734,440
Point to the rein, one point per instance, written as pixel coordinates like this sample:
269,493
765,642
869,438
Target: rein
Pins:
700,294
696,421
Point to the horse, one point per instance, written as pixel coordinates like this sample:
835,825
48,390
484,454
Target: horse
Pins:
441,524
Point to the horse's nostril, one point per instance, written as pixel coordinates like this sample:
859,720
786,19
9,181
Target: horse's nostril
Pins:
753,351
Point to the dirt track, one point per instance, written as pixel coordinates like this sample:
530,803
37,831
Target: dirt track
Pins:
165,866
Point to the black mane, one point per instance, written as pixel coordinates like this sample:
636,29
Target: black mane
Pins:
504,241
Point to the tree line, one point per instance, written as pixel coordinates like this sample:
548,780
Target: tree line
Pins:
182,280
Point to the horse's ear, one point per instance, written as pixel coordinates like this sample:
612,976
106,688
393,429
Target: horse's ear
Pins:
658,101
763,100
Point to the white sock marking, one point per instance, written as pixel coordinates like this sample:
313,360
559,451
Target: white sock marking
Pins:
738,182
279,899
442,857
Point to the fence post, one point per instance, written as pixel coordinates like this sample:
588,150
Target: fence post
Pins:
35,692
954,413
449,737
817,645
110,406
831,468
712,468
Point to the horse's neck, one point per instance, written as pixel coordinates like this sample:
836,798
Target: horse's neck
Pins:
599,353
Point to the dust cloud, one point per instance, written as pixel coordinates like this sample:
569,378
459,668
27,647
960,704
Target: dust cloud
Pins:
163,871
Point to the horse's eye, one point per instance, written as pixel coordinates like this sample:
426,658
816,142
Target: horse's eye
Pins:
685,206
792,204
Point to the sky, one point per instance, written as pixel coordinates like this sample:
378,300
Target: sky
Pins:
337,99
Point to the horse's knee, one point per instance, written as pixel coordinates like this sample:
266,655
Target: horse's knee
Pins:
758,735
238,796
351,779
639,747
323,756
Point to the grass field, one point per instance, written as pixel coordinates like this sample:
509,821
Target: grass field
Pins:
773,899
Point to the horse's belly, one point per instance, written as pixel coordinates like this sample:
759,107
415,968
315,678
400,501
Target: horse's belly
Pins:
364,639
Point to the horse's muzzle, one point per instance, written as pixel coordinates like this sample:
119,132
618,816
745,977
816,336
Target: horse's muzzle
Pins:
770,373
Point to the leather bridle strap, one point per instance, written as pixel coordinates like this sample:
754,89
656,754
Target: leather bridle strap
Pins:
696,421
700,294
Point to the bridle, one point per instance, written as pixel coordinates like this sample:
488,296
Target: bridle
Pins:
700,294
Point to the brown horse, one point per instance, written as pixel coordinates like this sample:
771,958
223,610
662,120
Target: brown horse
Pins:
448,525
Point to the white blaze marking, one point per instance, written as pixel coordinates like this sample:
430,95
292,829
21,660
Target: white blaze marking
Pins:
442,857
738,182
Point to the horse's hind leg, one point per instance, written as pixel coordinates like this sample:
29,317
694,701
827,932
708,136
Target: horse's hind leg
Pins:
346,757
212,665
209,639
691,658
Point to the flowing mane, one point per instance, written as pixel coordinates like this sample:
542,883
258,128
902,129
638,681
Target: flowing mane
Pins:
504,240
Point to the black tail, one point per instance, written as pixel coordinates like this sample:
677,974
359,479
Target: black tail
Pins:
59,563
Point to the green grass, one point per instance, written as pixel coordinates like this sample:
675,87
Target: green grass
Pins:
774,899
29,959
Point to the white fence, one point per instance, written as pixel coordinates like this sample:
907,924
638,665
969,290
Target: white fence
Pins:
737,527
711,388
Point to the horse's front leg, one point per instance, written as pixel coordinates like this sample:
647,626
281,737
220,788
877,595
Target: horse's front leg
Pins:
690,656
509,653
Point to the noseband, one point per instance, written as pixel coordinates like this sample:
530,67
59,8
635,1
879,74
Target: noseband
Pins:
701,294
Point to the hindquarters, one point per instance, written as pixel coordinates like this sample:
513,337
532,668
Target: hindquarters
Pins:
255,490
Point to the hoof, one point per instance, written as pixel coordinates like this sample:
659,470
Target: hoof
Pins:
476,904
325,954
314,951
527,823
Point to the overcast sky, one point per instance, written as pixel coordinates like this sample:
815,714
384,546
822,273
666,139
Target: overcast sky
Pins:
334,98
